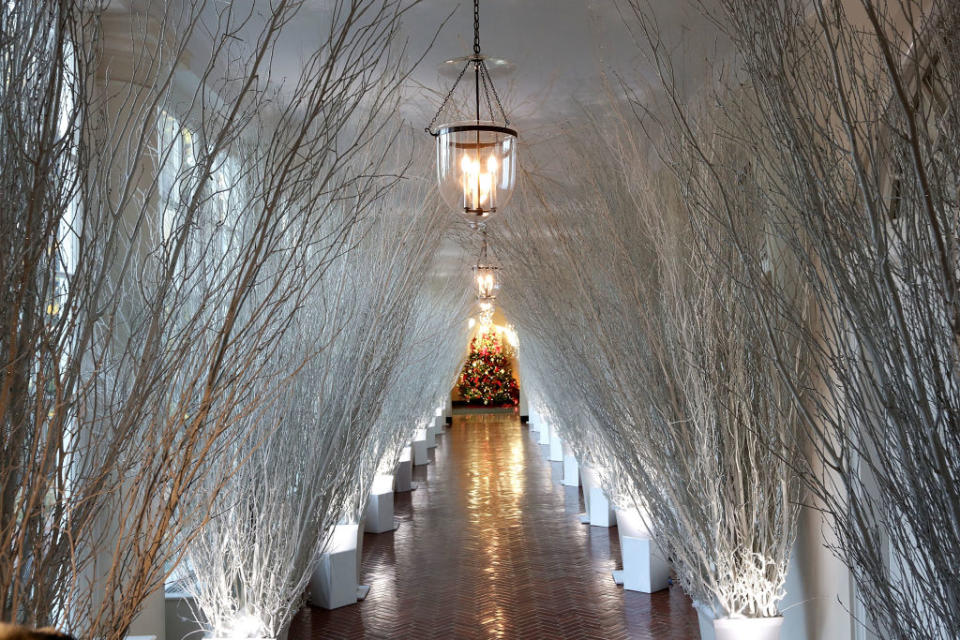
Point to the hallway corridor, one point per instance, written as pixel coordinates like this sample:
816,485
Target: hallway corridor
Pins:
490,546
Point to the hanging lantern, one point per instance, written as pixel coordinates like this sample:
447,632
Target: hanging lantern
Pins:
476,159
488,281
486,275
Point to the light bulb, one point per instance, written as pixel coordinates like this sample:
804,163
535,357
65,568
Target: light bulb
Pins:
484,182
477,185
485,285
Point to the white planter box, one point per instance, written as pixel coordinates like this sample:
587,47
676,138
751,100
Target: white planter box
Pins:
333,582
705,620
585,479
403,473
571,469
645,566
420,448
533,421
431,435
747,628
362,590
556,446
434,429
282,636
545,434
379,511
599,510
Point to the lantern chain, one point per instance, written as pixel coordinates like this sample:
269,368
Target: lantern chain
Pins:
446,99
493,88
476,28
483,74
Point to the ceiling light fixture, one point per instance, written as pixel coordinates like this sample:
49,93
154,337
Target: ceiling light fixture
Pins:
476,159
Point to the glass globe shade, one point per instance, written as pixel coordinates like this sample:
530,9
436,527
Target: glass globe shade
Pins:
476,166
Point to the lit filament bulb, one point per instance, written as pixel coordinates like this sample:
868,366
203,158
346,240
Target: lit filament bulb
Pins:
477,184
485,283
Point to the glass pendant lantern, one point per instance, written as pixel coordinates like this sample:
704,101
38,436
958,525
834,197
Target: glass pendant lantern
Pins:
488,281
486,275
476,159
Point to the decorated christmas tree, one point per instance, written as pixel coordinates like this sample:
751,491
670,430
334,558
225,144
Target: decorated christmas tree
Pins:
487,375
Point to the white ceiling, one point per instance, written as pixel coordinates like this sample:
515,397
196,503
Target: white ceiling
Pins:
564,53
561,49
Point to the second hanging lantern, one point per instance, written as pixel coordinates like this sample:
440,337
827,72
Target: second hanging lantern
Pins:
486,275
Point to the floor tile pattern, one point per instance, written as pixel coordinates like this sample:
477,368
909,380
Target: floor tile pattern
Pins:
490,546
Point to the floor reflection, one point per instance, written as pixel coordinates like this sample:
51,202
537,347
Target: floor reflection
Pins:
490,546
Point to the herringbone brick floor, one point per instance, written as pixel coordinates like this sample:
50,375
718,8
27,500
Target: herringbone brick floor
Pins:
490,546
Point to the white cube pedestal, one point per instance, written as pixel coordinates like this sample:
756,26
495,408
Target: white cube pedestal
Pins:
403,472
534,422
362,589
599,510
379,511
420,448
601,513
534,433
645,566
556,446
334,580
585,481
571,470
545,430
433,430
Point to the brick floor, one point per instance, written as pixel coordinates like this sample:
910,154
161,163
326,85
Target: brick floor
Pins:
490,546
